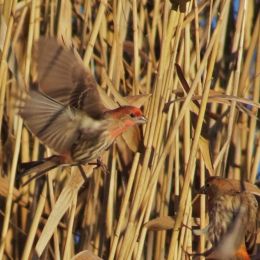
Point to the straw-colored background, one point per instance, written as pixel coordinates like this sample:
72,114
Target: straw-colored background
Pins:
132,47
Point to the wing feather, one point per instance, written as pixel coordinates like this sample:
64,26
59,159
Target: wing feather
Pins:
62,76
54,124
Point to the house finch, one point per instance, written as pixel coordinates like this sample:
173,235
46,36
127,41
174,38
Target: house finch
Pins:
66,112
232,225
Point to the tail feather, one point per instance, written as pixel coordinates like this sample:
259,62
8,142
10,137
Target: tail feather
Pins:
27,168
38,167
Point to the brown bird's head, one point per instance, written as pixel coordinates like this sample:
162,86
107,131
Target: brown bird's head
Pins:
219,186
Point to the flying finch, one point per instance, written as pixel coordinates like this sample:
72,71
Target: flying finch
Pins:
66,112
232,225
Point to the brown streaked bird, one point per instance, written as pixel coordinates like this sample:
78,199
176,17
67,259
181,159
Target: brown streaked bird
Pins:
66,112
232,225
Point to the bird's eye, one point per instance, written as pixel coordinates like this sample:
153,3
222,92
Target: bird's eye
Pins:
132,115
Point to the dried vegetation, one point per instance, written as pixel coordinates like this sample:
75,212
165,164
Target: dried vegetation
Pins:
202,121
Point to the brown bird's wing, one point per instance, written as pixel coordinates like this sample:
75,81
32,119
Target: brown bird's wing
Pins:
62,76
250,221
54,124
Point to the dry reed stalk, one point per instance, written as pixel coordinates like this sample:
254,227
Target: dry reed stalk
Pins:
52,202
238,46
3,70
94,32
34,225
190,167
69,240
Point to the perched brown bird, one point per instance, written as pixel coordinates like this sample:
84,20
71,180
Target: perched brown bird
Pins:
232,225
66,112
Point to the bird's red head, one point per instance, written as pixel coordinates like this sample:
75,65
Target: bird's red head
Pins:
128,113
130,110
125,116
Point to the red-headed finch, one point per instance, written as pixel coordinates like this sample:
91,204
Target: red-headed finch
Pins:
232,228
66,112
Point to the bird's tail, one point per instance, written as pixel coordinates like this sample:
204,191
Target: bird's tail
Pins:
38,168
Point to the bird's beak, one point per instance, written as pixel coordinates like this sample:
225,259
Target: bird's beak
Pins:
141,120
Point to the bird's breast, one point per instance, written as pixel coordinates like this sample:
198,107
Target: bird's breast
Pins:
88,124
222,214
222,211
93,139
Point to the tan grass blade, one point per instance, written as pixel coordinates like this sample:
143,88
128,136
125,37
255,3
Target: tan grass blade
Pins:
63,203
205,151
160,223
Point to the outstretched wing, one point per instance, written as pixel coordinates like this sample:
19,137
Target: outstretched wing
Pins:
62,76
54,124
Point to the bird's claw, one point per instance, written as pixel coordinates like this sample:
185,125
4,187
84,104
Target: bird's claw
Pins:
101,164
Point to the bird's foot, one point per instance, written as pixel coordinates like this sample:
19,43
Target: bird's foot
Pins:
101,164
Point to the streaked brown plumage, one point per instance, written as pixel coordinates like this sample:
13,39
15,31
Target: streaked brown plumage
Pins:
226,200
66,112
